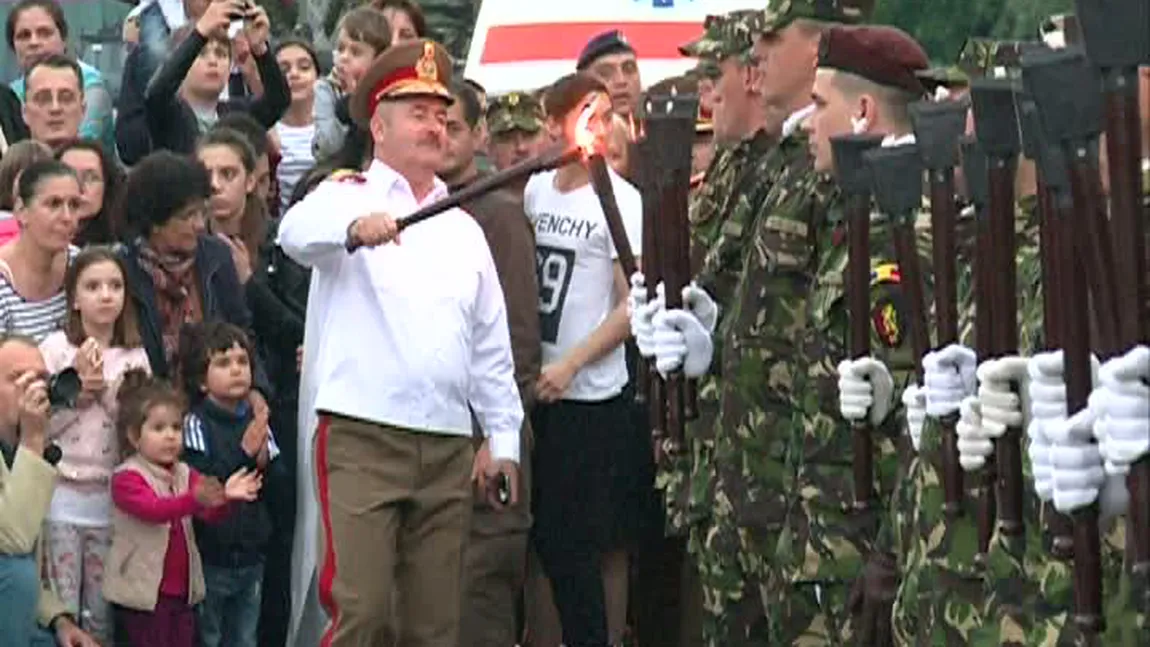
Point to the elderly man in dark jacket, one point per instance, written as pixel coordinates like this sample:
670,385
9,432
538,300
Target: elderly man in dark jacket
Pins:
494,569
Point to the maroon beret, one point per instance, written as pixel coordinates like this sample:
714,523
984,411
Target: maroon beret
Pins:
885,55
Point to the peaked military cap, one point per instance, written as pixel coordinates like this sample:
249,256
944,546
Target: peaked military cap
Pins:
515,111
780,13
731,34
420,68
884,55
608,42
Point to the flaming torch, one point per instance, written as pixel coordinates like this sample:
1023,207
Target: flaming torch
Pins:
556,157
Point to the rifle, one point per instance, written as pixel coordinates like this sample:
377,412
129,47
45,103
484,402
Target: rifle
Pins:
1063,85
937,127
896,177
1053,207
653,273
975,168
1117,39
854,179
997,132
670,130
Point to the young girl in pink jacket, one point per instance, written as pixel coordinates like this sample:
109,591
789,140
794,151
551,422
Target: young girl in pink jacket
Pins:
100,341
155,577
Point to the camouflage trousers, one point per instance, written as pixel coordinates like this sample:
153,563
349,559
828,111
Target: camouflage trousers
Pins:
747,601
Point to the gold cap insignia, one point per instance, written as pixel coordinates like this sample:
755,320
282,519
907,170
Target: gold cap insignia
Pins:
513,100
426,67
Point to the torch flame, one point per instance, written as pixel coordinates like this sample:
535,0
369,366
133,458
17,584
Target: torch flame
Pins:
585,136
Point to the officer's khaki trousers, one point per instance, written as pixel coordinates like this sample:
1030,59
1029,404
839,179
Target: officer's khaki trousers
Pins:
395,509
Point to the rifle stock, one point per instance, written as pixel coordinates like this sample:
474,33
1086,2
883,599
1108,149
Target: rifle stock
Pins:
670,132
854,179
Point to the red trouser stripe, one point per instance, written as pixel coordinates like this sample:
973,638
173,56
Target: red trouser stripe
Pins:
328,565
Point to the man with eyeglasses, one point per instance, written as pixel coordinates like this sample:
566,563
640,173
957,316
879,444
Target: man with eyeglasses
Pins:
54,100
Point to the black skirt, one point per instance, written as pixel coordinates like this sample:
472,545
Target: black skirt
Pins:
594,475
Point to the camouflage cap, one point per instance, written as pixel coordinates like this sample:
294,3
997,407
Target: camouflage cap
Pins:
949,76
732,34
984,57
780,13
515,111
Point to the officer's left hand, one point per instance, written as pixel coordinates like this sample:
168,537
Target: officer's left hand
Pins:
681,340
1001,405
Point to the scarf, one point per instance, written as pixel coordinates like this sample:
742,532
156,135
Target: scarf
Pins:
174,279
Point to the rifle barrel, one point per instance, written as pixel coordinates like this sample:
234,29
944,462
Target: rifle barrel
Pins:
1005,325
858,301
944,225
1123,147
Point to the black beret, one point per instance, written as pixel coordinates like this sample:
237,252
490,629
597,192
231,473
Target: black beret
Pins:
609,42
884,55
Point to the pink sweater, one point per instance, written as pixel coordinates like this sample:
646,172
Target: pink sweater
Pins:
87,435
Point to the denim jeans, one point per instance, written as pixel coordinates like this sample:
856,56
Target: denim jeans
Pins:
19,598
230,613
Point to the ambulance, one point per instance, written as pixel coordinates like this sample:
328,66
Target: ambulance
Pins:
527,44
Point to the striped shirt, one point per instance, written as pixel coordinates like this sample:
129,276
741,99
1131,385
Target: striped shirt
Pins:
35,319
295,158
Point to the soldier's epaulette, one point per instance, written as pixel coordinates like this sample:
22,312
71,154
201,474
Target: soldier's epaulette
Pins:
348,175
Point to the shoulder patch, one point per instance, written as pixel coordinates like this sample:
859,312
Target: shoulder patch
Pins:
888,314
885,273
348,176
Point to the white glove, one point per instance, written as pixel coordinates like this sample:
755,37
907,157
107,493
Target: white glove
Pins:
1123,402
699,303
1078,475
974,443
1001,406
1047,390
1041,467
914,399
949,377
866,388
641,313
681,340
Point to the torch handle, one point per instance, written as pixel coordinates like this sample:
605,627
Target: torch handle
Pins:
485,185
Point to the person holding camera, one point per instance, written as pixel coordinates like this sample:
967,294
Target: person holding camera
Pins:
99,344
30,615
183,99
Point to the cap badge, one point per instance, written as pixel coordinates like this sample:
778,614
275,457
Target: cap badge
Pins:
513,100
426,67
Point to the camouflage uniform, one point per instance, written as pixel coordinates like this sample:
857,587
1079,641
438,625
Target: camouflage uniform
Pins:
829,539
719,216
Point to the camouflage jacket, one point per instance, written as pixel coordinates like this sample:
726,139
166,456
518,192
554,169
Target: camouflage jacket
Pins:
828,537
762,374
718,223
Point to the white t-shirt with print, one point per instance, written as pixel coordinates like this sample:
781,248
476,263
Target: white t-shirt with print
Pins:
574,257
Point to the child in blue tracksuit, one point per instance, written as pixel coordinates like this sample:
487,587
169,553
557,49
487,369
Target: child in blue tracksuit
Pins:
226,429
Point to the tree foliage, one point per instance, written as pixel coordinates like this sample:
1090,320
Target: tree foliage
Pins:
943,25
